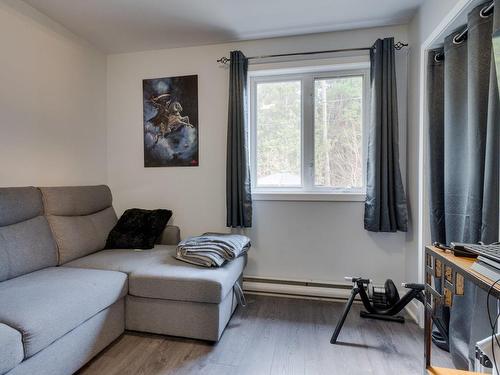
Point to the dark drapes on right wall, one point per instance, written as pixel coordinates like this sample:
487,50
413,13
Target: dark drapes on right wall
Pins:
463,174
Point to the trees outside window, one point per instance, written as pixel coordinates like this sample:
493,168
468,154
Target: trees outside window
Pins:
307,131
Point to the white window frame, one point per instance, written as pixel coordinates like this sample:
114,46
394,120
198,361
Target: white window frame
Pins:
308,191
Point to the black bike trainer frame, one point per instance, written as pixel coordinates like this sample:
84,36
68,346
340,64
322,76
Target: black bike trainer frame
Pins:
416,291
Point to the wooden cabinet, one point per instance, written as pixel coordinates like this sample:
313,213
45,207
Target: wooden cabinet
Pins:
445,276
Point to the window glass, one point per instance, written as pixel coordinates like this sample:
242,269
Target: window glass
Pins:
278,133
338,132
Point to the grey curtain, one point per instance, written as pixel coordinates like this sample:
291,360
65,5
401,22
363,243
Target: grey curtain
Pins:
385,205
435,90
463,162
238,186
435,93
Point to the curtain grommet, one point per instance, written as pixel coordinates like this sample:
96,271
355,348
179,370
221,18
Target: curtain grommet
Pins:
458,39
485,11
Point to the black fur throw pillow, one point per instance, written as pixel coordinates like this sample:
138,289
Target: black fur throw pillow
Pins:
138,229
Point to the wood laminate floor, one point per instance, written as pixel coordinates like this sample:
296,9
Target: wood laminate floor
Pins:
276,336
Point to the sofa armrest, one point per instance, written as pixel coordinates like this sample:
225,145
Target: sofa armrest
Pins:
171,235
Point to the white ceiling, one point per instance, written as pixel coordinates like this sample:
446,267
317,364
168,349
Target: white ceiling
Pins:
135,25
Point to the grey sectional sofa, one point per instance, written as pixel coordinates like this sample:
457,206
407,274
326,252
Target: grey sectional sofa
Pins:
63,298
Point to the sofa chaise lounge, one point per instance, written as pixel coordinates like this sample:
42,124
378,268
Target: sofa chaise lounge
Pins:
63,298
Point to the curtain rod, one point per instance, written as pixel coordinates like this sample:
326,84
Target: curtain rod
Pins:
225,60
485,12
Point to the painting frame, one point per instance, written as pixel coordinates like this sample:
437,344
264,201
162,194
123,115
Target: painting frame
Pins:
170,121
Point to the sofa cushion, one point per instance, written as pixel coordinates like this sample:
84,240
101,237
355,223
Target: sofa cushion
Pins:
77,236
175,280
157,274
11,348
123,260
76,200
19,204
26,247
26,242
46,304
80,217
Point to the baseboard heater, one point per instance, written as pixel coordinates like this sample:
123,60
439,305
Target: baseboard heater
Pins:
296,288
309,290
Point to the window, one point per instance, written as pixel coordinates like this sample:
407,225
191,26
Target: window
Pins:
279,133
307,132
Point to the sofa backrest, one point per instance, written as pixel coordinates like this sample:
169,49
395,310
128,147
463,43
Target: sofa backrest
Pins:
26,242
80,217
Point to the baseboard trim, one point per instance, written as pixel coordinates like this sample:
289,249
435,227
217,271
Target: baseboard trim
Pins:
271,280
296,288
297,296
303,289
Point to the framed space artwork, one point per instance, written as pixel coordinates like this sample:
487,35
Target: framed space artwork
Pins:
170,121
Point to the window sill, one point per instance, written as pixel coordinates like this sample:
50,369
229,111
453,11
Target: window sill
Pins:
309,197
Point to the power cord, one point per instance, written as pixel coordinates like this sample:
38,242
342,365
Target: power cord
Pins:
493,325
493,335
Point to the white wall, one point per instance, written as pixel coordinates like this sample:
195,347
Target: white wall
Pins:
429,16
53,109
297,240
52,103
